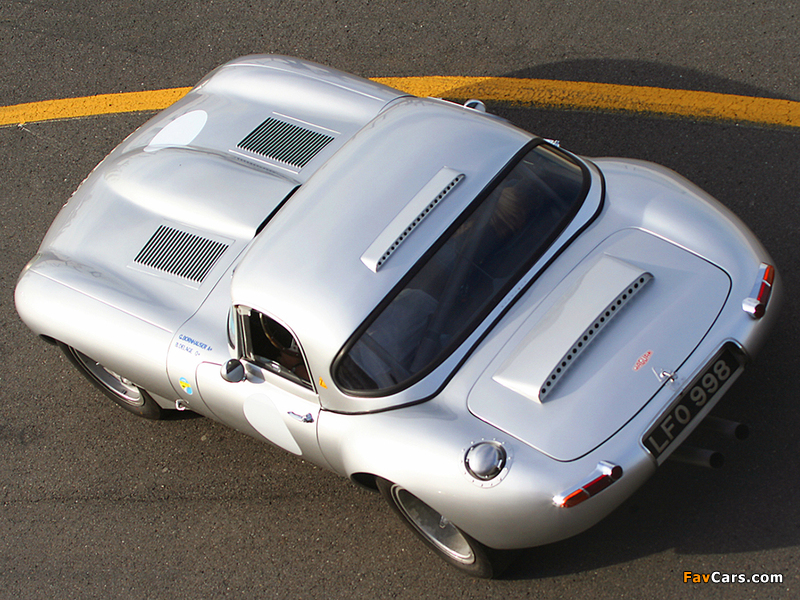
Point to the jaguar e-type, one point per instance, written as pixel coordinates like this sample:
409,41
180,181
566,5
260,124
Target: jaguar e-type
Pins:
503,338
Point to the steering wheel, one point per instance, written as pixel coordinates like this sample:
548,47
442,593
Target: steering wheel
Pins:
279,337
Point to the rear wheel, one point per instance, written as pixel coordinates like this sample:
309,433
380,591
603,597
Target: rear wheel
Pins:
121,390
443,537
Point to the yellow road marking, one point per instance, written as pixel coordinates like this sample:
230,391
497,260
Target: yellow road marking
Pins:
549,93
544,93
70,108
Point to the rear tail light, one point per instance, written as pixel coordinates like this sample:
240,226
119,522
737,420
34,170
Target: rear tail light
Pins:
603,476
756,304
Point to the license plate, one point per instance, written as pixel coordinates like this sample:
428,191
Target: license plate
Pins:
704,390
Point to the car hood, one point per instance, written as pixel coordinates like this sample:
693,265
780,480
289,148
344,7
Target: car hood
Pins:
162,218
151,235
596,349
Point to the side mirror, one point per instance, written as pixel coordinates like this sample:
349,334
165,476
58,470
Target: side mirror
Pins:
475,105
233,371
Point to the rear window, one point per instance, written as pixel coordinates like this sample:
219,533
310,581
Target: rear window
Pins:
471,268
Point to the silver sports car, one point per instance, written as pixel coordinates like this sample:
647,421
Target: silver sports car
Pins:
504,339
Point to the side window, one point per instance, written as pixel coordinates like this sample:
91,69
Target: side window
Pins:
270,345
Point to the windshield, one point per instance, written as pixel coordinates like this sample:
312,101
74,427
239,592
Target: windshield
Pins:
481,257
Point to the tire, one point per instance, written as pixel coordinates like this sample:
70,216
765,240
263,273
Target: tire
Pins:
121,390
450,543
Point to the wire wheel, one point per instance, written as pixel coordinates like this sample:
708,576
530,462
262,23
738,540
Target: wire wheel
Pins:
117,387
443,537
122,388
434,527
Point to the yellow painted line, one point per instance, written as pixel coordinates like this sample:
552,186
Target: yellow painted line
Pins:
543,93
548,93
71,108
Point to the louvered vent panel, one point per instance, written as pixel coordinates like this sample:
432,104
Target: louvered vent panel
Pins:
285,142
180,253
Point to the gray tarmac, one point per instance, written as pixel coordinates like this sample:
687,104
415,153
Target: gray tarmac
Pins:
95,503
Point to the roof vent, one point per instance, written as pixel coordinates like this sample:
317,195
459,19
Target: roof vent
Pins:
285,142
412,215
180,253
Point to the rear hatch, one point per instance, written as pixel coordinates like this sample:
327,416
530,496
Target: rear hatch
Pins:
599,346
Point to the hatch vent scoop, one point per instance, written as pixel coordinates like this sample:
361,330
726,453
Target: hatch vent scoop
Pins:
590,333
551,348
285,142
180,253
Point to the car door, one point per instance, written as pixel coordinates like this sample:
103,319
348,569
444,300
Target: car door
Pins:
276,399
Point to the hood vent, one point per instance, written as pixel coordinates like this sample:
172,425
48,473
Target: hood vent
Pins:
180,253
284,142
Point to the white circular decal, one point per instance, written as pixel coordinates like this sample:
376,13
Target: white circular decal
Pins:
179,132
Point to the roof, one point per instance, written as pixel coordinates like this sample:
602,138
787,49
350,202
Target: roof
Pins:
306,269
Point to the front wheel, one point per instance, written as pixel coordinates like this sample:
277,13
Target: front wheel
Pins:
121,390
443,537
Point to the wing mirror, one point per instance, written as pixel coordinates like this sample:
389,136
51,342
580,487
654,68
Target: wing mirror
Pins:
475,105
233,371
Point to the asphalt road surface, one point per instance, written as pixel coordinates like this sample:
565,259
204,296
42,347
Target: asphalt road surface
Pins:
99,504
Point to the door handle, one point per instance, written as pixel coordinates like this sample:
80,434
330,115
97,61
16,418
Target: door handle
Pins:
308,418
